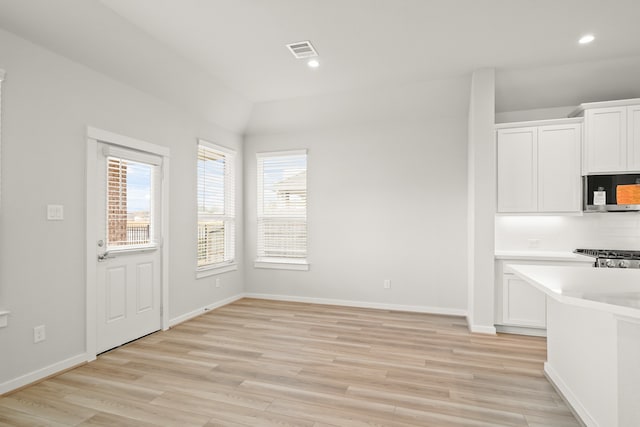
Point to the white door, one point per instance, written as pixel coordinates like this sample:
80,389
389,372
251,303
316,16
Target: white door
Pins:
128,250
523,305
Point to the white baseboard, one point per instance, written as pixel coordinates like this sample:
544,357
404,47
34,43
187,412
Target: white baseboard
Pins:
202,310
533,332
42,373
362,304
565,392
480,329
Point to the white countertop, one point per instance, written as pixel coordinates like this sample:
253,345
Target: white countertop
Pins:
543,256
615,290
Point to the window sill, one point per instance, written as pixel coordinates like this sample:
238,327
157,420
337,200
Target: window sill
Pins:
212,271
282,264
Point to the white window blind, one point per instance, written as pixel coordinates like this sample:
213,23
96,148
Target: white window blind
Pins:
216,206
282,206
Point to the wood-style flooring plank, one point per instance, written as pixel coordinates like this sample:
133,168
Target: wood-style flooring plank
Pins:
274,363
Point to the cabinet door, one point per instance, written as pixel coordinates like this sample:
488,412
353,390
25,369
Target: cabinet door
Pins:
606,140
523,305
559,168
633,138
517,170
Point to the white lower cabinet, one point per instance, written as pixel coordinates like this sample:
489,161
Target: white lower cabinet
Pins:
519,307
523,305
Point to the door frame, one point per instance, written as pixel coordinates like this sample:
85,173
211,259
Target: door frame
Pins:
94,136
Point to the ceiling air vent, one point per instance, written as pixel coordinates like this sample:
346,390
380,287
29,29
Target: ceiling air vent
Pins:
301,50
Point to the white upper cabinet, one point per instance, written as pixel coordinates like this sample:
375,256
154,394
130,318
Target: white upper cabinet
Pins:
606,140
539,167
612,137
559,168
517,170
633,137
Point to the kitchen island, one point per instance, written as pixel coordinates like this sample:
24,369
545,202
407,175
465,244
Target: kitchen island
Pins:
593,339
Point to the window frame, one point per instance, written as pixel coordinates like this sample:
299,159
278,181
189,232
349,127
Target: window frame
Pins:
119,155
282,263
229,189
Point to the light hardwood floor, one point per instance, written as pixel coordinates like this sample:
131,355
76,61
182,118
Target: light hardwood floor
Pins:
267,363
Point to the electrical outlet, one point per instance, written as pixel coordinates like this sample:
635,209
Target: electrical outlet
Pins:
387,284
39,334
217,282
534,243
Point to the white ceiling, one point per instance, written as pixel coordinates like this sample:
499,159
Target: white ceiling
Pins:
366,43
233,51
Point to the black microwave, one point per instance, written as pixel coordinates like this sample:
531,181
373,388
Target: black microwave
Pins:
611,193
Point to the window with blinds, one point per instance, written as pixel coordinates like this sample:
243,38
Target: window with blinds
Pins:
282,206
216,206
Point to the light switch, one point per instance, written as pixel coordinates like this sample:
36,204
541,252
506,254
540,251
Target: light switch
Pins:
55,212
4,318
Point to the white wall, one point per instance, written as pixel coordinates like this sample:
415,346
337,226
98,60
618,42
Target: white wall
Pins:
535,114
482,201
567,84
387,200
47,103
566,233
116,47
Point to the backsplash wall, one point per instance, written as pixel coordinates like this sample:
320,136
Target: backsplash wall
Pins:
566,233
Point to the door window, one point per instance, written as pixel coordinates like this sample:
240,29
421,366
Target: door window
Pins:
129,203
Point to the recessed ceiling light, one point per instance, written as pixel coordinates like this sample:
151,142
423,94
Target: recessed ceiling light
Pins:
313,63
586,39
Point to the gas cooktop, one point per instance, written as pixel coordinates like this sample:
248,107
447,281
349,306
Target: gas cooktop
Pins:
613,258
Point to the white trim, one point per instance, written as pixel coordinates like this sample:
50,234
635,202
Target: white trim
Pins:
225,150
548,122
95,135
136,156
125,141
603,104
282,264
627,319
300,152
195,313
362,304
213,270
570,399
39,374
533,332
538,214
165,240
134,249
480,329
91,223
